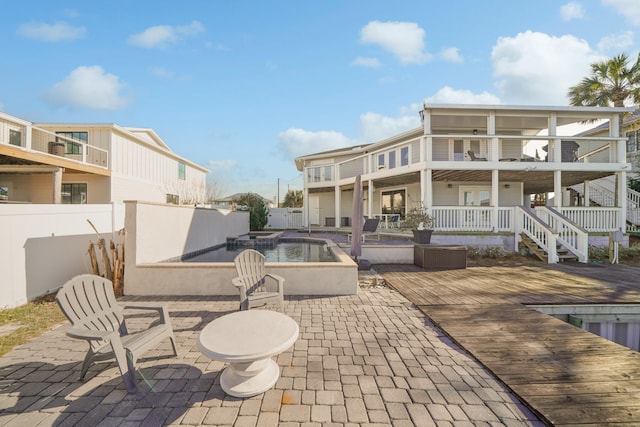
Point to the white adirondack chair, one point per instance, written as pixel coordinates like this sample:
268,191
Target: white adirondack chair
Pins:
90,305
252,281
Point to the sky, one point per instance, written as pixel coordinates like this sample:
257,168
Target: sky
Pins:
243,87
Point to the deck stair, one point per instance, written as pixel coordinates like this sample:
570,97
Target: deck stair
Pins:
563,253
601,195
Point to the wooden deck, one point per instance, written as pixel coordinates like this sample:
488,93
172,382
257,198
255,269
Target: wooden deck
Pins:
566,375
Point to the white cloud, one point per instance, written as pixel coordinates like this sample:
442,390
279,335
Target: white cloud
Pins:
366,62
572,10
448,95
296,142
630,9
535,68
216,166
88,87
161,72
452,54
60,31
376,127
161,36
403,39
614,43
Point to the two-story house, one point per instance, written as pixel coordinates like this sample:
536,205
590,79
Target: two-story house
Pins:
46,163
475,168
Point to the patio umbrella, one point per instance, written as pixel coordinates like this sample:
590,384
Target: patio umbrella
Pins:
356,219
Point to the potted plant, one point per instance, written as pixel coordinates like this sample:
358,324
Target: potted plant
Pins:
420,223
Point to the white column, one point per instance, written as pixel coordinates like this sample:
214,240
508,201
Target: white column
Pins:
557,189
338,197
426,186
587,193
28,137
491,130
370,190
557,145
57,186
495,199
622,200
307,212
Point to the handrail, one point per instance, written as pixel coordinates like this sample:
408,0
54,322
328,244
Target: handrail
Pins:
572,236
538,231
607,196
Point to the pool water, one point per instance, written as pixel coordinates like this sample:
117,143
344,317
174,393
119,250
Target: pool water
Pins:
283,252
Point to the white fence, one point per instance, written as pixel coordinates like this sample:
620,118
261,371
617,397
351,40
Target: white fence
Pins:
286,218
43,246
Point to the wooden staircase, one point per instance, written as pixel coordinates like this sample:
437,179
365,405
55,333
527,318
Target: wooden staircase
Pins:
563,253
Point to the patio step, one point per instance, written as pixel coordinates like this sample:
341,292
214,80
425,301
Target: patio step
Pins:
563,253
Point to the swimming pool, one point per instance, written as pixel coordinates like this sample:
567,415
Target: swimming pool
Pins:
283,251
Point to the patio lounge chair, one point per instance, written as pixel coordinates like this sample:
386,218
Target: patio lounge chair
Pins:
369,229
475,158
251,281
90,305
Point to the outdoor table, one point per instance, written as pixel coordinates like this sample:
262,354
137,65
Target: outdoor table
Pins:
247,340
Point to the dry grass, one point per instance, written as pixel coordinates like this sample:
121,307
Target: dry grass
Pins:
21,324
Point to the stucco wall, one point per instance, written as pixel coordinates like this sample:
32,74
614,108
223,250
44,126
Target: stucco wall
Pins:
43,246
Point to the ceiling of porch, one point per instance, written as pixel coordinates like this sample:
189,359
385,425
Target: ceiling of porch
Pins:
534,181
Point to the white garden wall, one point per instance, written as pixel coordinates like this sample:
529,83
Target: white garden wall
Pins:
43,246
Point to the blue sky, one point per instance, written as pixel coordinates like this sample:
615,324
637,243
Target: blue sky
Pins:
243,87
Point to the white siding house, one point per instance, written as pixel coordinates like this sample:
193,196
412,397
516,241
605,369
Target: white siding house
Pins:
92,163
475,168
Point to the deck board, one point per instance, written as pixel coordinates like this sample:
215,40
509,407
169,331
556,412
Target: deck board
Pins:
566,375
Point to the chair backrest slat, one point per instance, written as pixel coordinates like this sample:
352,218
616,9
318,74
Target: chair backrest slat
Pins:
250,268
88,302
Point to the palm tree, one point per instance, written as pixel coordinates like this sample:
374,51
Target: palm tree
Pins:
611,82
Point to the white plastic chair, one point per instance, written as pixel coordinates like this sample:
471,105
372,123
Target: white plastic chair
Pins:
252,281
90,305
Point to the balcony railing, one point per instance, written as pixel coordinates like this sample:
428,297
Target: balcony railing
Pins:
32,138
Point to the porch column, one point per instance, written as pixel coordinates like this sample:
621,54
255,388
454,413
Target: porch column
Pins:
426,185
338,196
57,186
622,200
491,130
587,195
370,201
495,199
306,208
28,134
557,189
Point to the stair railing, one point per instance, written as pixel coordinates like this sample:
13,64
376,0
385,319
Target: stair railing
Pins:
633,207
601,195
537,230
569,234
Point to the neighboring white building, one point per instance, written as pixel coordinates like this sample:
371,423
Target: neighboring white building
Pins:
92,164
474,168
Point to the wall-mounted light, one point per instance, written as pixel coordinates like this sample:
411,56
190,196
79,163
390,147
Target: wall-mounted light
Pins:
475,131
449,185
507,186
421,112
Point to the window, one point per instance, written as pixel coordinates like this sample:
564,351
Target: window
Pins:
327,173
4,192
173,199
392,159
74,194
15,137
631,141
380,161
404,156
182,170
393,202
72,147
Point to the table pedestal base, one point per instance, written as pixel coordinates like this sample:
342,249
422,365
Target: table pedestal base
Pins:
249,379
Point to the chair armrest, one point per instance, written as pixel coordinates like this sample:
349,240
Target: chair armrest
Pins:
89,335
161,309
279,280
237,282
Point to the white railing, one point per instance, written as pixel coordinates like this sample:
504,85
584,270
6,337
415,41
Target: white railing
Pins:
633,207
52,143
594,219
471,218
538,231
600,195
569,234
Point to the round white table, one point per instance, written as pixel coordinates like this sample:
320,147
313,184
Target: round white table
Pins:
247,340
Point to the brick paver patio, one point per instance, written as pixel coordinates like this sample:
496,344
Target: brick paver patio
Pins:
364,360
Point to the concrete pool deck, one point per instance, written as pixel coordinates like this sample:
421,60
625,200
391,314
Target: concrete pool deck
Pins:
369,359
